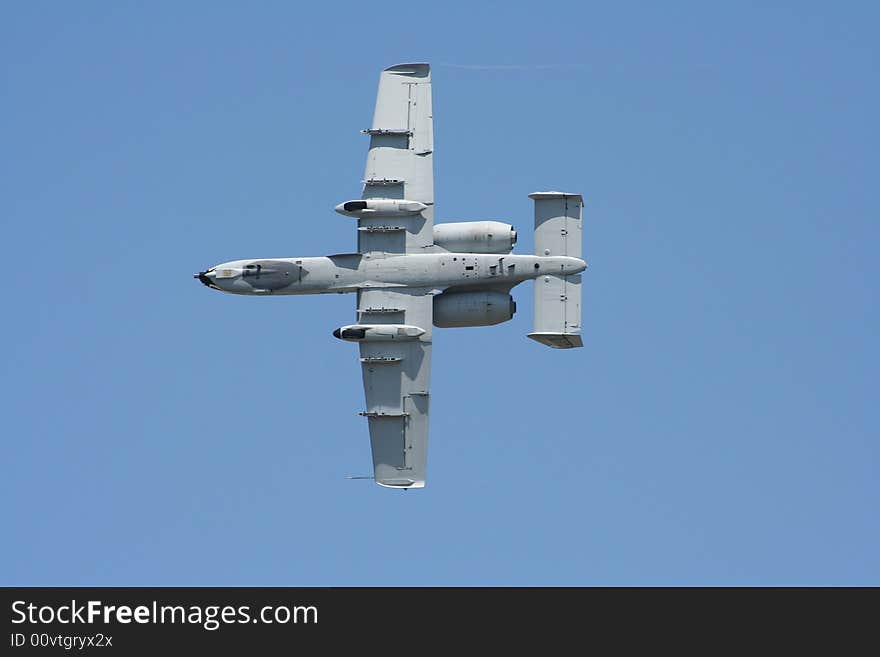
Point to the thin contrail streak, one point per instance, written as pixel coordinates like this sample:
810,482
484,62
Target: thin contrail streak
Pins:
501,67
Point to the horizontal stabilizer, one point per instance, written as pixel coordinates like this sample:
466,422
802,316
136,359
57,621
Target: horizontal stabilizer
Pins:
557,224
558,298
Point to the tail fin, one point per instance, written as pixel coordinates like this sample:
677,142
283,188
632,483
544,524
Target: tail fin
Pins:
558,298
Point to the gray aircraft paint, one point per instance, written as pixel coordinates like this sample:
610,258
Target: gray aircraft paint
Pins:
349,273
405,262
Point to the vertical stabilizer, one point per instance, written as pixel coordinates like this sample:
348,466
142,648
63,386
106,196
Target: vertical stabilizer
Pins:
558,298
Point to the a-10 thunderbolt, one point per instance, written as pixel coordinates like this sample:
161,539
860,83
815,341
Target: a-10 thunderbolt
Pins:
410,274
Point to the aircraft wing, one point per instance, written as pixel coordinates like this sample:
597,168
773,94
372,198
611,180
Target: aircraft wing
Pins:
396,376
400,163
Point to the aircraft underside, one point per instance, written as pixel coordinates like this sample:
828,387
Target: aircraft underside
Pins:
412,275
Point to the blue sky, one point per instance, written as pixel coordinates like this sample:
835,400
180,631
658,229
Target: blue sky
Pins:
719,427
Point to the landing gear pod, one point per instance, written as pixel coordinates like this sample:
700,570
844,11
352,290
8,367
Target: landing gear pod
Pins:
378,332
383,206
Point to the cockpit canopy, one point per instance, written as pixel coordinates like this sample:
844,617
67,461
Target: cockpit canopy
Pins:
271,274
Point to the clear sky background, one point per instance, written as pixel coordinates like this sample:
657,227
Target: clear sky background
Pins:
720,426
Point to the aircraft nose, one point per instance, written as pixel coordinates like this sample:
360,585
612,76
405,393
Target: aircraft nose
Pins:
206,277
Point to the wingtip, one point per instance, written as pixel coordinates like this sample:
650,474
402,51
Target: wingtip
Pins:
554,194
558,340
417,69
401,483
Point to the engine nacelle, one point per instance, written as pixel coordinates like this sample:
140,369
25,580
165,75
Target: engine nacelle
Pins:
475,237
482,308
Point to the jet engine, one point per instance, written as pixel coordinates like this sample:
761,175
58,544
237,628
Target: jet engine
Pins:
475,237
482,308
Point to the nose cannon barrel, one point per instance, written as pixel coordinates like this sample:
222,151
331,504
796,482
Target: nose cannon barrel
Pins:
204,278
